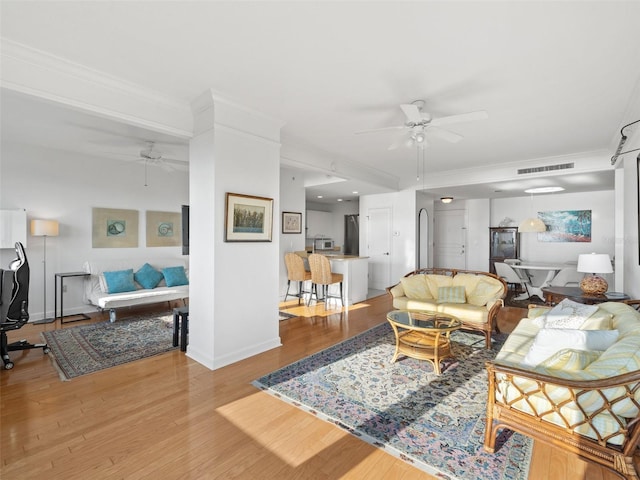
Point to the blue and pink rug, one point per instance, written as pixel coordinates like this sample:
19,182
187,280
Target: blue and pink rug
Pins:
435,423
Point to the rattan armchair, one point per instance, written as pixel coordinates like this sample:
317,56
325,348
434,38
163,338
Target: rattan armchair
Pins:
611,448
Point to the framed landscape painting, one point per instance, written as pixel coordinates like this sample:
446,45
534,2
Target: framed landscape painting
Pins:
566,226
248,218
291,222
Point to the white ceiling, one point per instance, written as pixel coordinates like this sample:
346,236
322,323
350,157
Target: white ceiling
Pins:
556,78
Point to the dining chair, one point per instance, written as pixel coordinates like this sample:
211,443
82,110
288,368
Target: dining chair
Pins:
509,275
322,275
296,273
567,277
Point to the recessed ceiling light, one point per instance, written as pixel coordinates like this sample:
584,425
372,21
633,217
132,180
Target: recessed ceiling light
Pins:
544,190
319,196
339,199
355,192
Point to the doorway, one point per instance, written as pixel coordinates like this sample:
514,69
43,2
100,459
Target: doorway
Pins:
379,247
450,236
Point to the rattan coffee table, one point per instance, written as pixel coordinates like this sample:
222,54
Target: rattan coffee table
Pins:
423,335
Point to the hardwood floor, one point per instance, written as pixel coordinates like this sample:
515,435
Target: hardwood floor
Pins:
168,417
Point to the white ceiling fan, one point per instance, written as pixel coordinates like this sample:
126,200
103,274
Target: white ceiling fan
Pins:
419,124
152,156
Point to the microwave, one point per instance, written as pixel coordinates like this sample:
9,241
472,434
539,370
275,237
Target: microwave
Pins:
323,244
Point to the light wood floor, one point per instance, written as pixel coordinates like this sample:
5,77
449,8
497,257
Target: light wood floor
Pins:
168,417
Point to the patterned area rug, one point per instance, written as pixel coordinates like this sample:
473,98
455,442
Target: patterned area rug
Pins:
436,423
88,348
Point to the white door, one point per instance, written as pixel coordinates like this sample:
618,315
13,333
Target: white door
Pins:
379,247
450,235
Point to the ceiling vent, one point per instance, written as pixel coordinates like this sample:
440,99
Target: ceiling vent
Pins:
548,168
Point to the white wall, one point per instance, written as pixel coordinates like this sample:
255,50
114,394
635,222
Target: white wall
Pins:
404,212
601,204
628,244
292,199
64,186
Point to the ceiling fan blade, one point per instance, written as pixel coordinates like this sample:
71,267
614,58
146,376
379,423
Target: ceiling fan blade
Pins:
412,112
445,134
463,117
378,130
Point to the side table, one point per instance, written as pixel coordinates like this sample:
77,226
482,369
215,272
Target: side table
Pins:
181,327
554,295
59,277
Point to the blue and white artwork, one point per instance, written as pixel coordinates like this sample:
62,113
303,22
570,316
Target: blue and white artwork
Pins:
566,226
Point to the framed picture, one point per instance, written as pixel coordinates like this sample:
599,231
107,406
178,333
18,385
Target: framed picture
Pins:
164,229
114,228
566,226
248,218
291,222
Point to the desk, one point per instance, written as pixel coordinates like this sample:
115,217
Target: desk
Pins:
552,270
554,295
59,277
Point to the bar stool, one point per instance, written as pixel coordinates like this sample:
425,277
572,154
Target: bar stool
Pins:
321,275
180,325
296,273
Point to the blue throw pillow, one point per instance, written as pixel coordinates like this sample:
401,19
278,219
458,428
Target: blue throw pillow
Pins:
120,281
175,276
148,276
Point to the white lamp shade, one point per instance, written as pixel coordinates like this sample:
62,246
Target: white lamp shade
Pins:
44,228
532,225
594,263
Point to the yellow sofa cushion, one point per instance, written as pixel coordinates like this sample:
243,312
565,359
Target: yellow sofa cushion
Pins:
436,281
416,287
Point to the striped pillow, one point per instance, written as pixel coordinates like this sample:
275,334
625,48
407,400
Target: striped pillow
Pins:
451,295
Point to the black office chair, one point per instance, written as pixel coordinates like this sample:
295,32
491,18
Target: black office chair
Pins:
14,305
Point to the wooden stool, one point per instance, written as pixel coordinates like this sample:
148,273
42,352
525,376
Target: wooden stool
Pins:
180,324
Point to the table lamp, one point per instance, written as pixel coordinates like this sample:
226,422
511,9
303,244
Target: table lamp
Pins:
594,263
44,228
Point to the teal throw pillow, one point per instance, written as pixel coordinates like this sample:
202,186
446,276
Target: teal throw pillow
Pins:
175,276
451,295
148,276
120,281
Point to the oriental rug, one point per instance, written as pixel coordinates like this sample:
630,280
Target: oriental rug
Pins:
435,423
86,349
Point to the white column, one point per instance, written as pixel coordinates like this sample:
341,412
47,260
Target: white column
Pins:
233,311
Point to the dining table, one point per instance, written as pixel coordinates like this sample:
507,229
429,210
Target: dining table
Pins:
552,269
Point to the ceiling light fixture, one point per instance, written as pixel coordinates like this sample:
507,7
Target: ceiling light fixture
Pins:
319,196
446,199
544,190
532,224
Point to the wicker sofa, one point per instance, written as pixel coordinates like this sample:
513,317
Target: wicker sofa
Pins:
582,399
481,295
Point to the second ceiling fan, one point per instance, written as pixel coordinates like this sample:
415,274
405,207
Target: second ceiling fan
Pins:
420,123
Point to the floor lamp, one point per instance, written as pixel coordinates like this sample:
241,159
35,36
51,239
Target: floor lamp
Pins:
44,228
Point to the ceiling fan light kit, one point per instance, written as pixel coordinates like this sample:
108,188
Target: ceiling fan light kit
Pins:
419,123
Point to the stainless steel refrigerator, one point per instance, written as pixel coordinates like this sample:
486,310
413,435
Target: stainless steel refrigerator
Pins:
352,234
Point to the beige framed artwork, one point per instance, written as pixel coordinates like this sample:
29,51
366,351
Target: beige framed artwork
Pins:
114,228
163,229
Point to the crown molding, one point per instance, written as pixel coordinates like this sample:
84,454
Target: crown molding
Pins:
37,73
